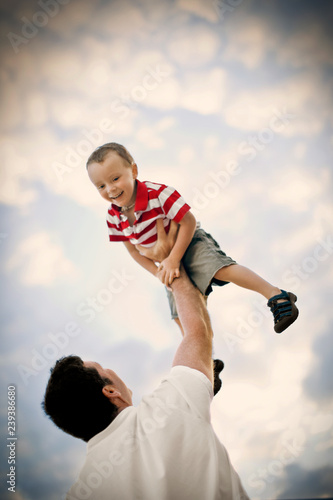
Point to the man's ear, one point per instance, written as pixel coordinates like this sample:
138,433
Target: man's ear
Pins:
111,393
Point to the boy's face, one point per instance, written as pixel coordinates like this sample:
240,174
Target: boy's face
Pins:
115,179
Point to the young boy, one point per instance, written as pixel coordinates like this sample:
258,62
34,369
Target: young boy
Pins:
132,218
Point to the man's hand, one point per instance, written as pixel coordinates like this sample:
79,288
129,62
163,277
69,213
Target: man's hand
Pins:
164,243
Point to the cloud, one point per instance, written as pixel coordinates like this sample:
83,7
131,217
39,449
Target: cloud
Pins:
112,18
10,103
117,17
199,8
15,175
202,93
269,373
186,155
303,483
152,136
310,46
174,76
70,19
193,46
318,384
297,188
205,93
166,96
74,78
252,38
249,40
300,150
40,261
291,108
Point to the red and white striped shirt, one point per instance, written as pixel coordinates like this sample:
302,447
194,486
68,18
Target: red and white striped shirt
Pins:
153,201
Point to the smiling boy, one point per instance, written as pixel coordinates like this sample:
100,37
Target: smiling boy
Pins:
132,218
135,208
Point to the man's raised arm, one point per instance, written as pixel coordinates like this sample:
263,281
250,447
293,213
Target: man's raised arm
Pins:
195,350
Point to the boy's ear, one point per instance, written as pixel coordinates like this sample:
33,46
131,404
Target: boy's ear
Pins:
111,393
134,170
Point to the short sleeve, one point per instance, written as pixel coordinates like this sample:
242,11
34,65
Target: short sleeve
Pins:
173,204
189,390
115,229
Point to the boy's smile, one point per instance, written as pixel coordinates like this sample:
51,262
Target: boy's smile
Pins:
115,179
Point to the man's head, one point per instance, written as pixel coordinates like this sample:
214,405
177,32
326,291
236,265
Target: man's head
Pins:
82,398
113,171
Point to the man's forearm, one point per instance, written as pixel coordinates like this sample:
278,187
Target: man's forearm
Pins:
191,306
147,264
195,350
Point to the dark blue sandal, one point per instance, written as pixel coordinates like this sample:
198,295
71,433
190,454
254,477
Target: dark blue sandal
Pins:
285,313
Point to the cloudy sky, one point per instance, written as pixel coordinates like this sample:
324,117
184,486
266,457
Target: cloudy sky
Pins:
231,103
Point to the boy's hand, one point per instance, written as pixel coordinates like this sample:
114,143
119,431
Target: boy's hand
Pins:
164,243
168,270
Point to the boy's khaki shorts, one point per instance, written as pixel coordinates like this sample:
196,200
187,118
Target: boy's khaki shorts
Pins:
202,259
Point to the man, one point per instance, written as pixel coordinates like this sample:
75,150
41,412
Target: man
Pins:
163,449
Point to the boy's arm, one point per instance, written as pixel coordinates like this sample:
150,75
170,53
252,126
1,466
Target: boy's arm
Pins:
141,259
169,267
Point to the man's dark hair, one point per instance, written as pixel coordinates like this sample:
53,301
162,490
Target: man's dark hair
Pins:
100,153
74,400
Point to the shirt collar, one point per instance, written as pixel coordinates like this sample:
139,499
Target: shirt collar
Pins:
141,200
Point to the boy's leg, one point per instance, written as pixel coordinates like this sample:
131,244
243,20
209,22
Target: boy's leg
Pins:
244,277
280,302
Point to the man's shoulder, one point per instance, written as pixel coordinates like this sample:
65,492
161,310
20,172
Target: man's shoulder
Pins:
183,389
185,373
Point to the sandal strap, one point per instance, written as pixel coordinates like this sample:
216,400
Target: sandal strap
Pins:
280,309
282,295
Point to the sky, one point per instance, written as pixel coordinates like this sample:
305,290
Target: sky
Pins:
228,101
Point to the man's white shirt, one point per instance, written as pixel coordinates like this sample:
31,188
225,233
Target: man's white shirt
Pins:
163,449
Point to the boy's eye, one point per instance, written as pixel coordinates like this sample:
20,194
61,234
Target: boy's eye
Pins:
116,178
101,186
